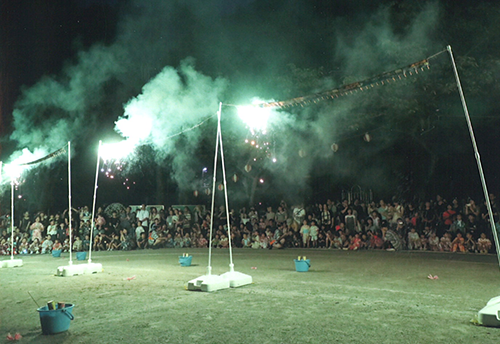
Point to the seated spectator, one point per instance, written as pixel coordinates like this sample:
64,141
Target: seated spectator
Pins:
201,242
445,242
458,244
142,243
34,247
77,245
413,240
57,246
434,242
470,244
483,244
47,244
424,243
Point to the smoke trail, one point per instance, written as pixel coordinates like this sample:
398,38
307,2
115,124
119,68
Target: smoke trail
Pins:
172,101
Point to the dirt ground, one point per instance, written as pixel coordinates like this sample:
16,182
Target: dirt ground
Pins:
346,297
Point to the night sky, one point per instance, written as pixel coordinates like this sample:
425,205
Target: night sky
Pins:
70,69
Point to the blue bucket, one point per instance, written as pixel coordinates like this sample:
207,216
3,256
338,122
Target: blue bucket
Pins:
56,320
185,261
81,255
56,253
302,265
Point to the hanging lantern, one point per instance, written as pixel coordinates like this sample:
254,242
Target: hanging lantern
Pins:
196,193
235,178
302,153
367,137
335,147
220,187
248,167
207,191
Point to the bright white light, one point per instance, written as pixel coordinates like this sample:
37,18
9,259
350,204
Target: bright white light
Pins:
261,181
116,151
254,116
274,160
14,171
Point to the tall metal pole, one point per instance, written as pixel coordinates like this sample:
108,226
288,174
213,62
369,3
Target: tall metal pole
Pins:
92,222
231,265
476,153
69,205
209,268
12,219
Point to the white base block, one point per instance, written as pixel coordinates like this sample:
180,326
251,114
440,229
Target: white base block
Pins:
208,283
237,279
11,263
490,314
78,269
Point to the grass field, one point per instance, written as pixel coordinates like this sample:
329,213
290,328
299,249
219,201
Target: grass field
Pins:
346,297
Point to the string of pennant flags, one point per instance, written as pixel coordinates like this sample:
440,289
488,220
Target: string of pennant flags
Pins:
47,157
358,86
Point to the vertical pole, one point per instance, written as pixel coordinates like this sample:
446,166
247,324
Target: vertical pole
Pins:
12,219
476,153
69,205
231,265
92,222
209,268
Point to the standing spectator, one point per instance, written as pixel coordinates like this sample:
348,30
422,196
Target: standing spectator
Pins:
36,229
142,215
304,231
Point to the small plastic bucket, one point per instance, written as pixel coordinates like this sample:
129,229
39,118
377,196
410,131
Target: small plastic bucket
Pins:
56,320
56,253
81,255
185,261
302,265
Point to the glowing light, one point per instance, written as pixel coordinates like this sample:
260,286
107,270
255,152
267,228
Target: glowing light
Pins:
116,151
255,117
14,171
261,181
252,143
275,160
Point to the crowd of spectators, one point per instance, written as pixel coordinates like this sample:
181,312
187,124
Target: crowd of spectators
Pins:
433,225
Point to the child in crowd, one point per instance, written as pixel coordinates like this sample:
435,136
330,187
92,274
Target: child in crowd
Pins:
413,240
470,244
434,243
98,243
124,240
65,245
86,243
57,246
142,243
187,240
178,242
35,247
246,242
77,244
483,244
424,243
47,244
355,242
201,242
23,246
445,242
115,243
169,241
458,243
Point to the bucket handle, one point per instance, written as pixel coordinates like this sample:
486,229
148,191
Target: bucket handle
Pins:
68,314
